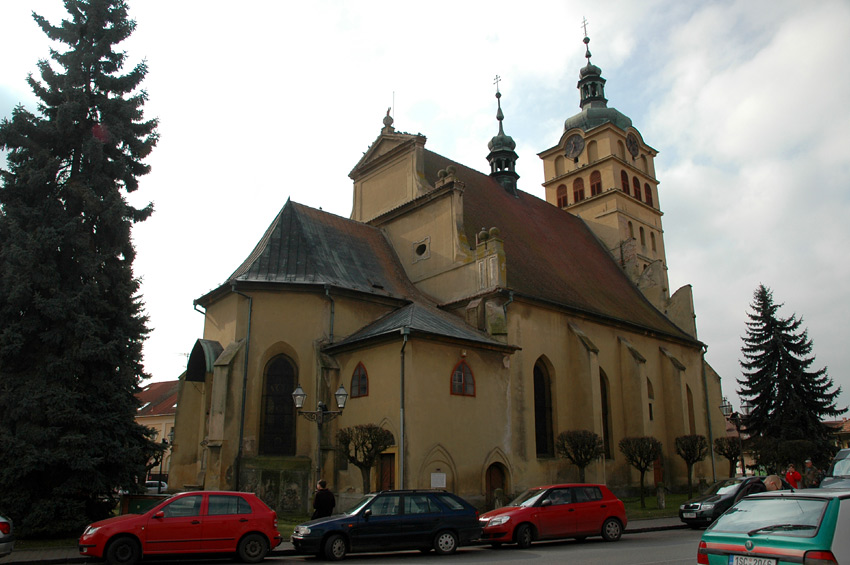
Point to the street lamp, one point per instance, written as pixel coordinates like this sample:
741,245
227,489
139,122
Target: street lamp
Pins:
320,416
737,419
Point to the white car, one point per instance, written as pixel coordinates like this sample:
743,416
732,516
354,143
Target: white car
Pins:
7,536
156,487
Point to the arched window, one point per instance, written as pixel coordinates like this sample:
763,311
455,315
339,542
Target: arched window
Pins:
692,424
562,196
652,239
650,393
277,431
559,165
578,190
592,152
621,150
647,194
606,416
631,231
463,383
359,382
642,237
624,179
595,183
543,434
636,186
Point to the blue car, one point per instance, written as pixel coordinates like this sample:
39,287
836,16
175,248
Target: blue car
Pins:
807,526
392,521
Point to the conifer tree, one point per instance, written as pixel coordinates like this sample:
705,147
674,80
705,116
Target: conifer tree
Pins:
789,401
71,317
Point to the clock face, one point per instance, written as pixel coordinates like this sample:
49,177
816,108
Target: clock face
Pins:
632,144
574,146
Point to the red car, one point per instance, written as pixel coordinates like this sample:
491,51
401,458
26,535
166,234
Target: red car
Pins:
556,512
189,522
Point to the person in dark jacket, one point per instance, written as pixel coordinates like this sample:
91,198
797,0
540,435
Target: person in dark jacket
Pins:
324,501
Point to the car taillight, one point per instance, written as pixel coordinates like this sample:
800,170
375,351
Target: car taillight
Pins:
5,527
819,558
702,553
274,518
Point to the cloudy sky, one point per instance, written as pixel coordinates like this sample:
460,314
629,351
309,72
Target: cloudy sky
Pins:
260,101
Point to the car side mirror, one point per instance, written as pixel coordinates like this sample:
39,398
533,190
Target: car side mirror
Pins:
546,502
367,513
159,514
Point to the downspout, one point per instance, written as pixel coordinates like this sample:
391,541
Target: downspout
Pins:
244,384
333,305
405,332
708,415
505,306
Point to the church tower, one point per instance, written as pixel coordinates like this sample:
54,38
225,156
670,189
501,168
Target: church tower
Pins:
602,171
502,157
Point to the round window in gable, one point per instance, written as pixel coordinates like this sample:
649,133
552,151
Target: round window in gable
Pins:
422,250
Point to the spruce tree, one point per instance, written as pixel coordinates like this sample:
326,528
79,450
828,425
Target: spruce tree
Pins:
71,318
789,401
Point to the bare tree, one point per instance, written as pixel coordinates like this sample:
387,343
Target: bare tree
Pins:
641,453
362,445
691,448
581,448
730,448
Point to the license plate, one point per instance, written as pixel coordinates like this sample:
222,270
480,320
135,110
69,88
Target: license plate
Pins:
747,560
689,514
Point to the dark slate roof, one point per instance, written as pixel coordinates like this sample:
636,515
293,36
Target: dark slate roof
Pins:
421,319
311,247
158,399
551,255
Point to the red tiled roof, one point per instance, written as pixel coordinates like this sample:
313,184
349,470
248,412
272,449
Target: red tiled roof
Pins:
551,255
158,399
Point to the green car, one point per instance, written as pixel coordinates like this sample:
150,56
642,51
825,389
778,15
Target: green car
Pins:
809,526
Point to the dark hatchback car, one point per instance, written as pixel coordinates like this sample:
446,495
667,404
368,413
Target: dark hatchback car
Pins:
838,474
702,510
392,521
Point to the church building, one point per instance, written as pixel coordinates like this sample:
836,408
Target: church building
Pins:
473,320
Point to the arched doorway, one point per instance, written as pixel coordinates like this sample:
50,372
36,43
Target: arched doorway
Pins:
496,478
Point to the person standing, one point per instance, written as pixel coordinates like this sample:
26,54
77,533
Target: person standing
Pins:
324,501
792,476
812,477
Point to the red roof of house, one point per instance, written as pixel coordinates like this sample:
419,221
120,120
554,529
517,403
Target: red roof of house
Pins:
158,399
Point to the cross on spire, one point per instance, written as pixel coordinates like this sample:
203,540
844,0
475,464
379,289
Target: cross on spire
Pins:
496,81
584,25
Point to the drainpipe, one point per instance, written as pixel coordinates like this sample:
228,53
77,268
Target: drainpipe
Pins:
405,332
244,384
505,306
333,304
708,415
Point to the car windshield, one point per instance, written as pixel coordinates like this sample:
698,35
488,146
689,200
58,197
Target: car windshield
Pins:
788,516
840,468
358,506
528,498
721,487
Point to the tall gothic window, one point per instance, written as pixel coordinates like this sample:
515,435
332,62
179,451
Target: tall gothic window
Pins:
606,416
359,382
624,179
636,186
595,183
463,383
277,432
543,433
647,194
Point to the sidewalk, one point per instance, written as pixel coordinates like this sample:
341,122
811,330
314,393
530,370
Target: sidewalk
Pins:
71,555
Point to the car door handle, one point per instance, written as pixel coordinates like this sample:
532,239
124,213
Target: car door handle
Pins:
243,519
195,522
603,506
572,509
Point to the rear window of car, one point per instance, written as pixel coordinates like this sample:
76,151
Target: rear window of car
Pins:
221,504
787,516
420,504
451,502
587,494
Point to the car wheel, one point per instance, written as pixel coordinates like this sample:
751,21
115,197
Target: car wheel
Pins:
524,536
612,529
335,548
252,548
445,542
123,551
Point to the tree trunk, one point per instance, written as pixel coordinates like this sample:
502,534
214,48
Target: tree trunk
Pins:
642,499
581,474
690,480
366,473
